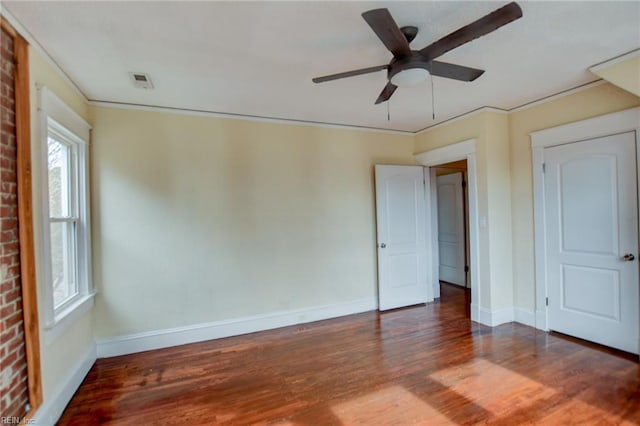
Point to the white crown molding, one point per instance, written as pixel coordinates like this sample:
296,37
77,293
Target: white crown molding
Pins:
522,107
622,58
199,113
462,117
138,342
445,154
53,406
603,125
116,105
559,95
38,47
5,12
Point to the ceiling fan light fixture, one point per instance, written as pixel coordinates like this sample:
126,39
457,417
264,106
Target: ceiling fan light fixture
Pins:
410,77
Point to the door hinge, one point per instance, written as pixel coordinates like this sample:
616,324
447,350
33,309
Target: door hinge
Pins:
547,301
466,269
464,184
544,167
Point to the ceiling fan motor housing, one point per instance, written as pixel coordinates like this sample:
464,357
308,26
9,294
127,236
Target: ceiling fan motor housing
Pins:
414,62
410,32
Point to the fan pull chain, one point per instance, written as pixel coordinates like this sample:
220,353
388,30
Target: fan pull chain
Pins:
433,102
388,113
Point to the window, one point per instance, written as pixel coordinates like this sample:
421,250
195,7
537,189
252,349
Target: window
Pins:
63,215
66,227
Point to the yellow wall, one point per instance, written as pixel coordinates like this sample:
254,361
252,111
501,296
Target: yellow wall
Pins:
625,74
592,102
499,210
492,162
201,219
505,185
61,357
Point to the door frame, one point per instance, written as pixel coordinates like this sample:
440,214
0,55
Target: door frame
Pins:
465,243
465,150
604,125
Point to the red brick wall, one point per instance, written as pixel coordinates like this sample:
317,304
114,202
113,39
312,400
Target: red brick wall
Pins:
14,395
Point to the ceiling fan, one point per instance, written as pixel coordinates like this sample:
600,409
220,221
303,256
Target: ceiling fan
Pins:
408,67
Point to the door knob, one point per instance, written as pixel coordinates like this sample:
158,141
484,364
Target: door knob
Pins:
628,257
383,245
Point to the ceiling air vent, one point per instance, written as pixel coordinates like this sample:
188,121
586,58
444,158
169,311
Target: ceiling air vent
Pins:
141,80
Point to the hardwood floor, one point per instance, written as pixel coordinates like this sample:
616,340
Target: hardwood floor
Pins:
454,293
423,365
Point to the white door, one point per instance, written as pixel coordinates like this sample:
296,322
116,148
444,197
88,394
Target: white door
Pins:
402,257
451,228
591,212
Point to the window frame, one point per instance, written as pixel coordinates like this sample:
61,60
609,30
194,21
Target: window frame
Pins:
58,119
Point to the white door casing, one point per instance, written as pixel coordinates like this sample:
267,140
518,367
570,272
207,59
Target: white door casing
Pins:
604,125
401,233
451,229
458,151
592,223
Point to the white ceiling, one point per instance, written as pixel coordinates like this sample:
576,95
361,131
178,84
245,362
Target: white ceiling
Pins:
258,58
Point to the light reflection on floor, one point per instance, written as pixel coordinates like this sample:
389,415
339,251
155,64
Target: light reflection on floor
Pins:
494,388
389,406
498,390
581,413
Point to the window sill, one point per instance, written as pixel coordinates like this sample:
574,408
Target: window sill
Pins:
68,317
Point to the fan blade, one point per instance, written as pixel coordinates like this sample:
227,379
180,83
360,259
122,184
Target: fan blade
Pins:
349,73
482,26
453,71
382,23
386,93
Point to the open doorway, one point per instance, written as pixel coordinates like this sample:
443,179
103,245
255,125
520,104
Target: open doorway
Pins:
453,233
464,150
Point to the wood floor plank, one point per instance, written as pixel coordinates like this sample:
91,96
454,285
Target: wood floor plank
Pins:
423,365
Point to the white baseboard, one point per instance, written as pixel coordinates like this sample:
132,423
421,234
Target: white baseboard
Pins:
53,405
145,341
503,316
493,318
541,320
525,317
475,313
485,317
52,408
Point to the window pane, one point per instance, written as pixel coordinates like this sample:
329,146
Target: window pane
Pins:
63,262
59,178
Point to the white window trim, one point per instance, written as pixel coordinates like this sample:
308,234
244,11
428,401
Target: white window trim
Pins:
53,110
